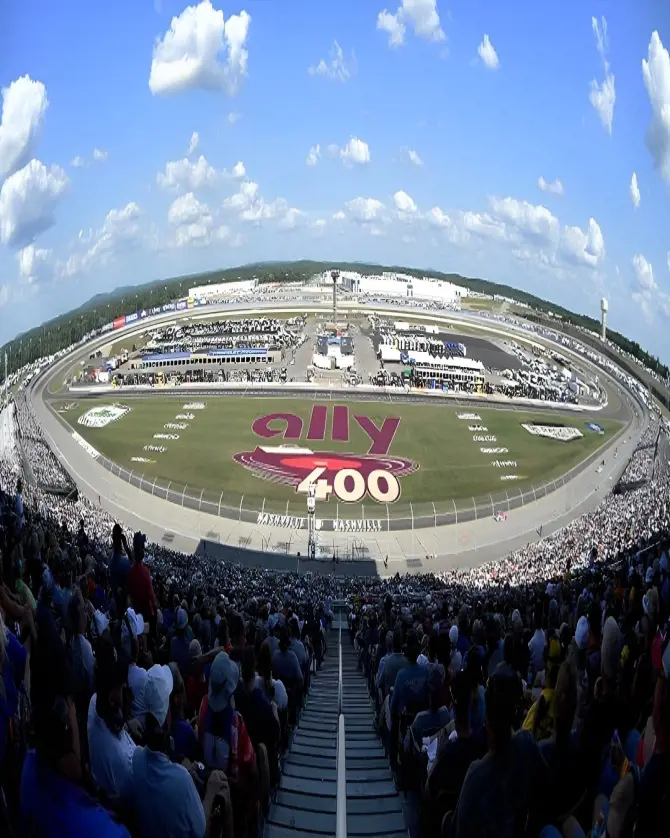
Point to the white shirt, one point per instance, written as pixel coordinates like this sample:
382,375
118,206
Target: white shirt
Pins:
137,681
165,798
87,659
281,698
111,757
536,648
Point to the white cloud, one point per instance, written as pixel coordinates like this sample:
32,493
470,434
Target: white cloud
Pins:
187,176
365,209
603,96
119,231
656,76
488,55
404,204
529,219
28,199
193,143
482,224
553,187
645,289
414,157
355,152
438,218
335,69
24,104
187,209
341,216
318,227
78,162
581,248
34,264
290,220
421,14
634,191
201,50
233,117
313,155
100,156
251,206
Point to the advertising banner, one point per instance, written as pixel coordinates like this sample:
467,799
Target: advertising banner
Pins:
119,322
191,302
156,310
131,318
169,307
143,314
182,304
107,327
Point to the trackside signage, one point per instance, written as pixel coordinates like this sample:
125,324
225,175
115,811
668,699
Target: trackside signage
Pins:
85,445
98,417
344,476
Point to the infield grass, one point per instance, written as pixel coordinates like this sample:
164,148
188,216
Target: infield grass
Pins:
451,464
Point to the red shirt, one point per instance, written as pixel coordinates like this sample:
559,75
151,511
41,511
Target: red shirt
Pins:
141,589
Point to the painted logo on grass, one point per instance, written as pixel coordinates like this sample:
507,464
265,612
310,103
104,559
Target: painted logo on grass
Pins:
98,417
348,477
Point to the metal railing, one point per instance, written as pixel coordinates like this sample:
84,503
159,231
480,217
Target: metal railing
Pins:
341,799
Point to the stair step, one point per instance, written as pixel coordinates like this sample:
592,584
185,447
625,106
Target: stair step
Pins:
322,822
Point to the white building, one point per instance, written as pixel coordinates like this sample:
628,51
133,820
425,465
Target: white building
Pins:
223,289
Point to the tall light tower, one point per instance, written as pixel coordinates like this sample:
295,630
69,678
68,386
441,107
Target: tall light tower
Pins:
335,275
604,307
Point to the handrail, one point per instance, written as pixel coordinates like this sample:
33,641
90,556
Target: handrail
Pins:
341,805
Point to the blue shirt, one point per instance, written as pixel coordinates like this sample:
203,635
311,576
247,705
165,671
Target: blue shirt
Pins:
185,740
411,687
119,567
12,673
165,797
53,807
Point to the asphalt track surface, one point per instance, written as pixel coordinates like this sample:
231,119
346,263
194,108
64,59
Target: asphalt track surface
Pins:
433,548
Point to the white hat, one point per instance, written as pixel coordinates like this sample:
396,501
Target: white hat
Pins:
101,621
157,692
582,633
136,623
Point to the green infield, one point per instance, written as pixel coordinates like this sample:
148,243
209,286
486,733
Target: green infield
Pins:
271,450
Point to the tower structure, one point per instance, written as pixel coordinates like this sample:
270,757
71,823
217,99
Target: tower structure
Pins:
604,308
335,275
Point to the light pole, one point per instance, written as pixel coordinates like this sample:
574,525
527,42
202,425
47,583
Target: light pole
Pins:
311,512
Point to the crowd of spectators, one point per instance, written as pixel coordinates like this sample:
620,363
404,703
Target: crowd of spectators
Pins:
44,464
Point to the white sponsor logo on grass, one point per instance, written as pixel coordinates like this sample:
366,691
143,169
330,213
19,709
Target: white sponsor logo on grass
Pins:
175,426
141,460
509,476
185,416
484,438
559,432
85,445
166,436
477,428
155,449
98,417
504,463
494,450
194,406
472,417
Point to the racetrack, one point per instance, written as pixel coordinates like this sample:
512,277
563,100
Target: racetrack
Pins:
456,542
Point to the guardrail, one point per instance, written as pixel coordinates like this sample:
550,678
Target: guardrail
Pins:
341,799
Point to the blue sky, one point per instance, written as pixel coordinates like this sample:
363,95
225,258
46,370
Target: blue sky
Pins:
429,126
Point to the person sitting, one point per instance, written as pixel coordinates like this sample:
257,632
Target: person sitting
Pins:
53,802
165,799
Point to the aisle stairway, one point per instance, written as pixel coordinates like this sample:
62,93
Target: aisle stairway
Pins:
305,803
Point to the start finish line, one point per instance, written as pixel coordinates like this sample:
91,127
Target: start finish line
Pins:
293,522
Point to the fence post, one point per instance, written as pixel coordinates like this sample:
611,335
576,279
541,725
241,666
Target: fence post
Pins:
130,476
411,510
534,495
474,504
141,480
388,519
455,511
241,499
220,499
491,499
153,486
200,504
167,491
263,507
507,500
434,514
183,494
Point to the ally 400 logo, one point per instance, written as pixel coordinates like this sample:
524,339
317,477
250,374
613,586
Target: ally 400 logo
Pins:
345,476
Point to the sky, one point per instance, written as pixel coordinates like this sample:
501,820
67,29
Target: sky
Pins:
524,143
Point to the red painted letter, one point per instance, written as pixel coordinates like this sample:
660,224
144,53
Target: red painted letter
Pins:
317,423
261,426
341,423
381,437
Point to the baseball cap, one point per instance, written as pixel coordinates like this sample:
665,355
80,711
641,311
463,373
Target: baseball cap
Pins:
194,649
182,618
582,633
137,625
157,692
453,635
223,679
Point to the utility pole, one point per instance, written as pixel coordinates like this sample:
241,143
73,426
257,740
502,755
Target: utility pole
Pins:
335,275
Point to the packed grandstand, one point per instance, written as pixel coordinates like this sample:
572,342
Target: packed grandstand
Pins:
525,696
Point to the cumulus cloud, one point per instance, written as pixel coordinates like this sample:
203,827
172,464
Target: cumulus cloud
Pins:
201,50
194,224
583,248
187,176
318,227
553,187
529,219
186,210
34,264
313,155
422,15
119,231
645,288
404,204
335,68
233,117
100,156
24,104
78,162
365,209
28,199
602,96
250,205
414,158
656,76
355,152
291,219
193,143
97,156
487,54
634,191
